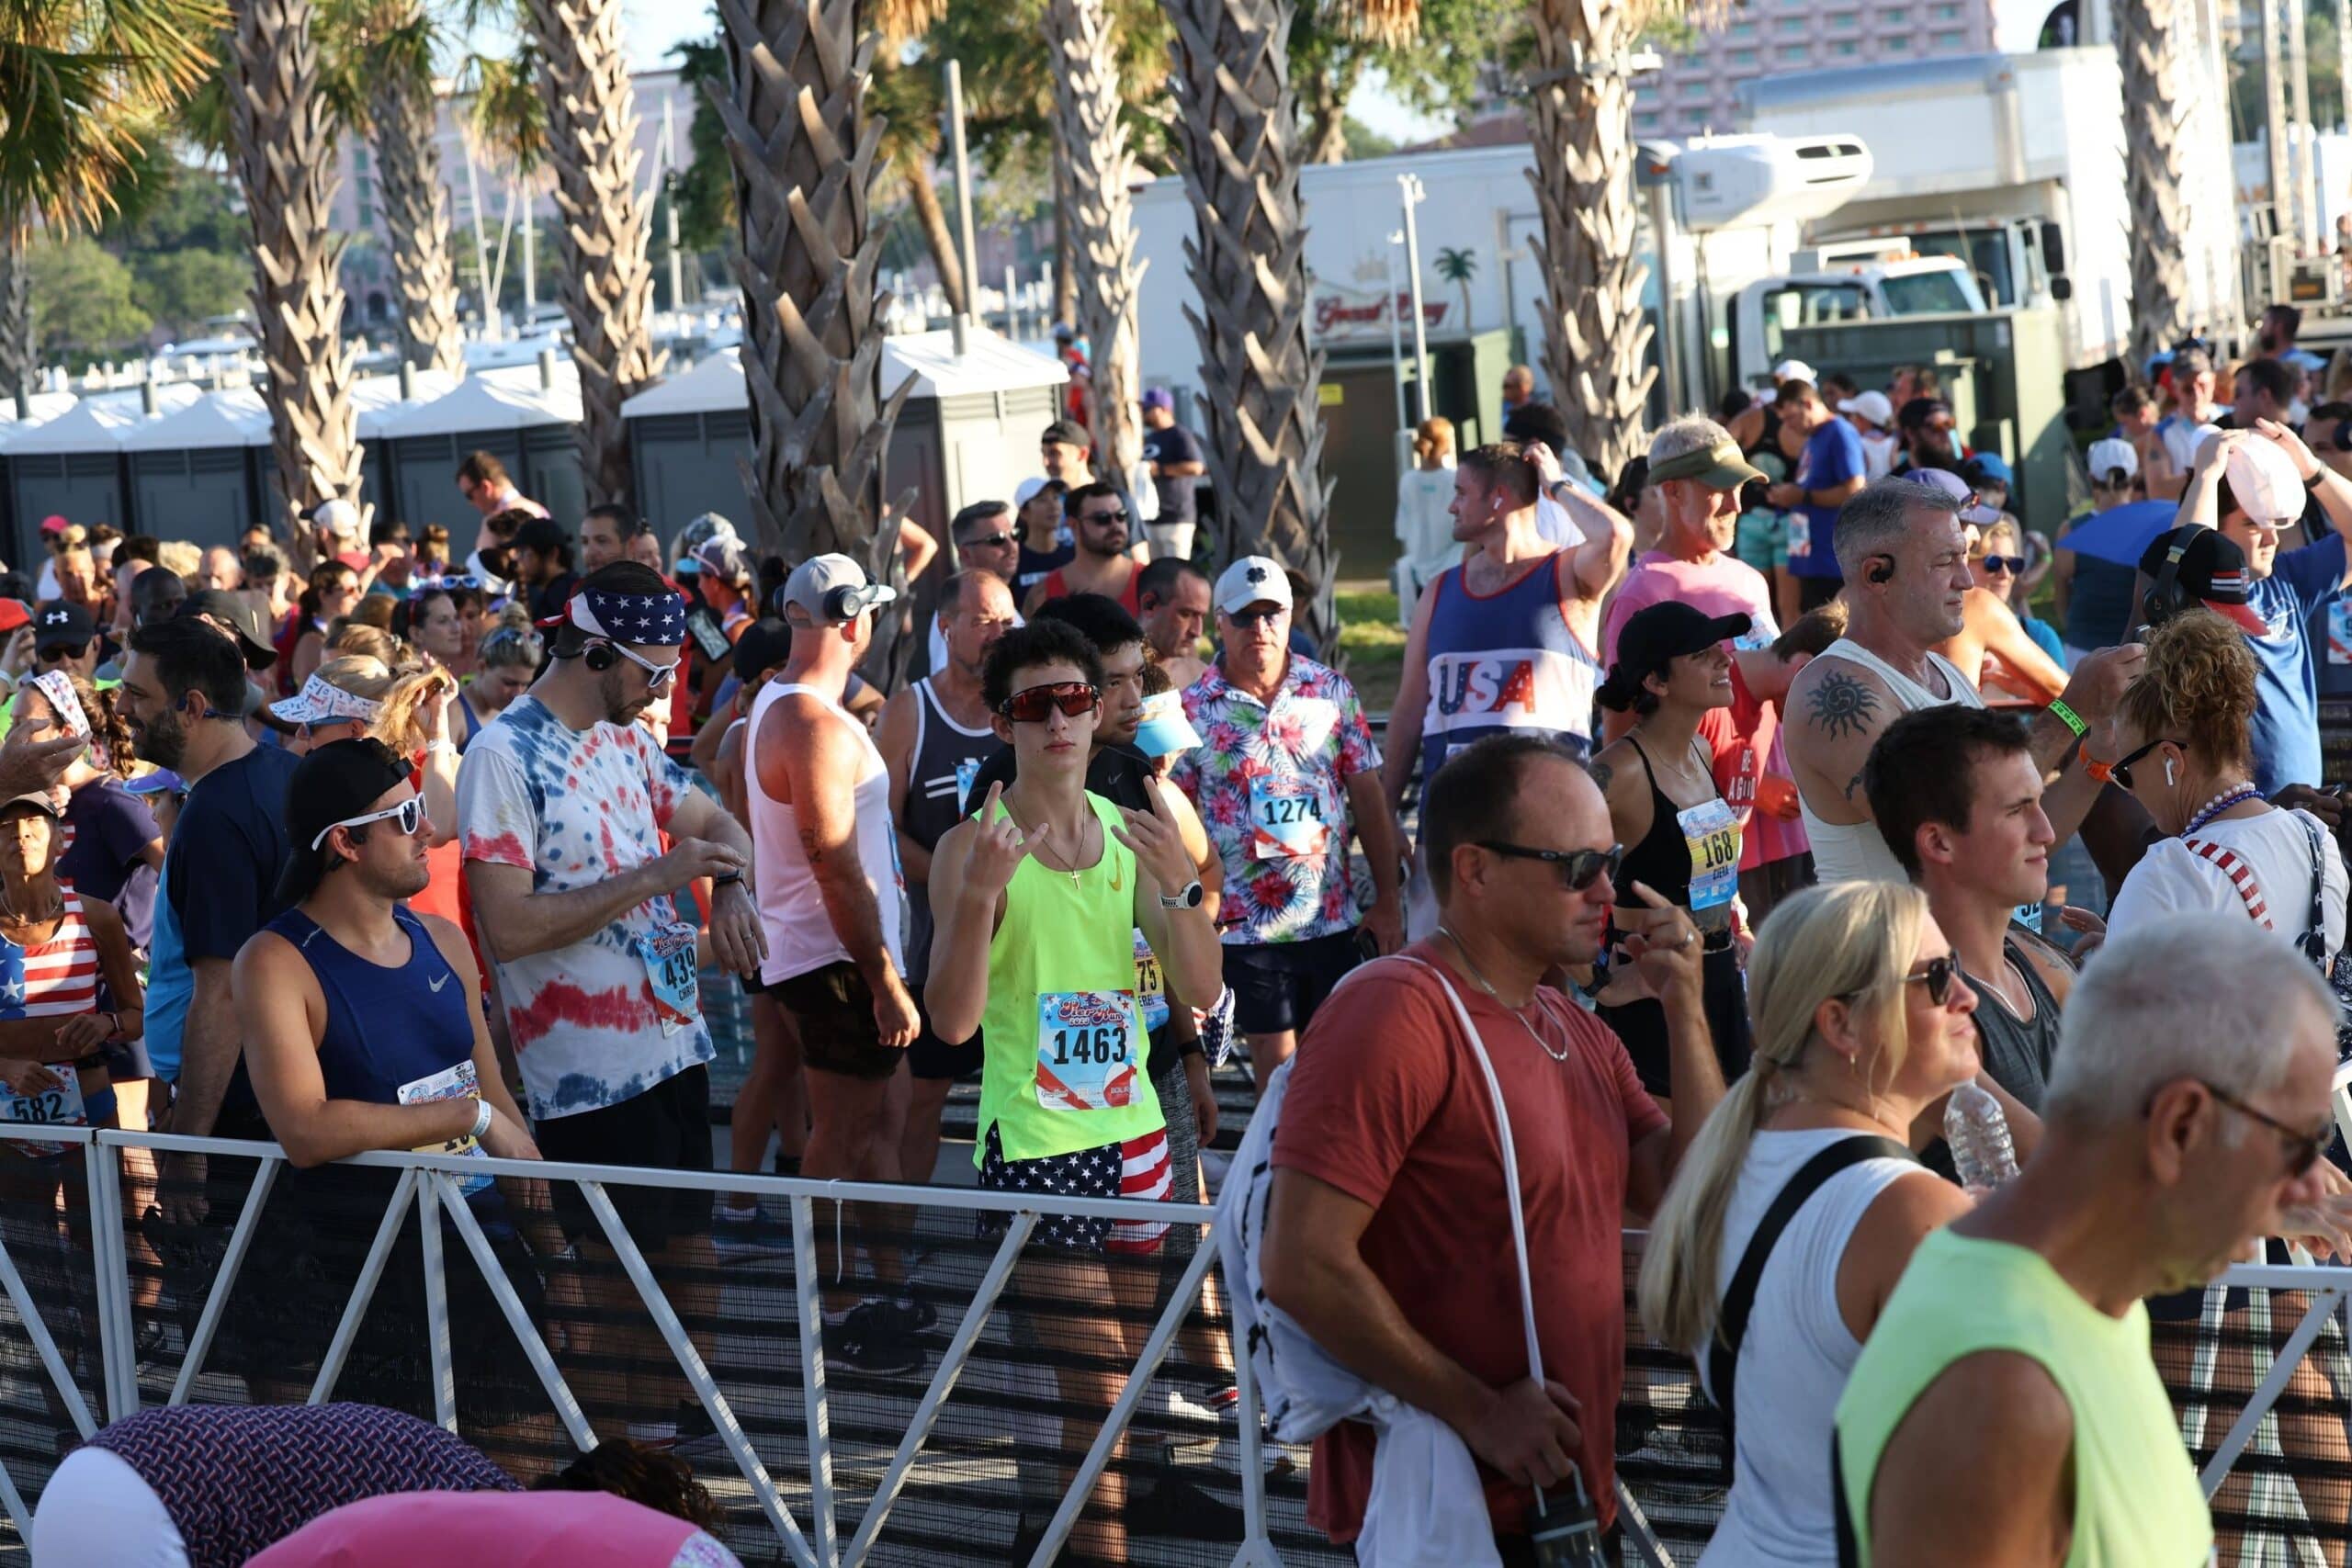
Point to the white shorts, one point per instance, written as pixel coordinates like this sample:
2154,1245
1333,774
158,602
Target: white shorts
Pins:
1169,539
97,1509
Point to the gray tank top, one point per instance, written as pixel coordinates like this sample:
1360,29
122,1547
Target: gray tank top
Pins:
947,758
2017,1052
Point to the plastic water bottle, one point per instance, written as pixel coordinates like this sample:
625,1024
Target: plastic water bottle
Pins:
1979,1135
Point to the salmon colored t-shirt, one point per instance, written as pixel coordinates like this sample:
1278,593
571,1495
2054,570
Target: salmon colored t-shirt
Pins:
1387,1104
496,1529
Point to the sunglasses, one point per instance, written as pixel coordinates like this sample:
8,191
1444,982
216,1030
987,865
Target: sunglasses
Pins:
1031,705
1935,973
656,675
1253,617
1578,869
986,542
58,651
2303,1148
2121,771
2012,565
410,812
1118,515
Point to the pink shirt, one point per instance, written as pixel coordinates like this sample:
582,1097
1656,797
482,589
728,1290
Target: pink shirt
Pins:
1721,585
496,1529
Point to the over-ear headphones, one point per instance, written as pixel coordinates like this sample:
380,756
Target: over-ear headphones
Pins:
2167,596
601,656
838,607
1883,572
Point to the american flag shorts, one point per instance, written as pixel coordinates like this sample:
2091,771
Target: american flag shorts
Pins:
1135,1169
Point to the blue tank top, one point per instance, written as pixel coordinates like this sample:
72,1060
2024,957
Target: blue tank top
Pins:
394,1036
1504,661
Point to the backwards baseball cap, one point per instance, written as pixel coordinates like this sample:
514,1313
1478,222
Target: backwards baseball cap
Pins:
319,702
2206,570
58,623
1989,469
336,516
831,590
1872,405
765,643
1158,397
1069,434
1795,371
332,784
2112,454
1252,580
1720,467
227,610
1164,727
2264,481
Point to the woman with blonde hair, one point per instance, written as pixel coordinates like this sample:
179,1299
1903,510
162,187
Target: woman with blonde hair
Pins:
1862,1025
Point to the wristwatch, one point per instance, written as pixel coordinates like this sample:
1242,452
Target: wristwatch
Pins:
1188,896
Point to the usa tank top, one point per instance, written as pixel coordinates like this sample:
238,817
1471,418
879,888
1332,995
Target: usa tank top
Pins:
1853,852
1504,661
57,978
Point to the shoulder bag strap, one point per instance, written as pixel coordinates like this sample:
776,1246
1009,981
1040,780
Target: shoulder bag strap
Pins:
1731,1321
2314,942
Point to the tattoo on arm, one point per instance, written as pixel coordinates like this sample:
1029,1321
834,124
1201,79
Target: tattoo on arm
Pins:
1853,786
1842,706
1601,773
812,848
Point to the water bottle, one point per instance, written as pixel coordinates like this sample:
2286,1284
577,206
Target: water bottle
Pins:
1565,1531
1979,1135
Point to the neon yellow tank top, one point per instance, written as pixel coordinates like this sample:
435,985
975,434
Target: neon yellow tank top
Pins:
2137,1504
1063,1065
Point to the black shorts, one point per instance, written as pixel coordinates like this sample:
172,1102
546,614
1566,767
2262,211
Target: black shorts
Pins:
1278,984
932,1058
666,1128
834,1010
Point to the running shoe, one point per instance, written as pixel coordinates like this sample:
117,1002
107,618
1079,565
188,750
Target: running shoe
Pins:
873,1338
739,1239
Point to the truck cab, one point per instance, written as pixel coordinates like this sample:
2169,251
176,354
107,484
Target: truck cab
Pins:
1841,284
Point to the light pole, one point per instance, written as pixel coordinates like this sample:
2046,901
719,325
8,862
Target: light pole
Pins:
1409,187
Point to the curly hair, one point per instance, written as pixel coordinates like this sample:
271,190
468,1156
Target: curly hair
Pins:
111,748
2197,688
643,1476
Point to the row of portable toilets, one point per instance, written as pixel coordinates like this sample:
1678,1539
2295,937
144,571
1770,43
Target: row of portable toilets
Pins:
198,467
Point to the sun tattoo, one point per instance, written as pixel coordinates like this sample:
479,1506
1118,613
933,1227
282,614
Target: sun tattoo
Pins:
1842,706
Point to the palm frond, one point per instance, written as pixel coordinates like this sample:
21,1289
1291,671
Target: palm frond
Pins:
507,120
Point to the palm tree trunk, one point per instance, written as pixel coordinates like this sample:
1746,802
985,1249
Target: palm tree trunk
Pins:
416,211
2153,112
805,164
1065,247
1239,133
285,150
20,365
922,192
1101,227
1580,98
607,275
1326,96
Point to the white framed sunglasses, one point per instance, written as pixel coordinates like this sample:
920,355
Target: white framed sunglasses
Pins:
656,675
411,813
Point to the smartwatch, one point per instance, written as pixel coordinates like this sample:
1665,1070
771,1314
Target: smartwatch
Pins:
1189,896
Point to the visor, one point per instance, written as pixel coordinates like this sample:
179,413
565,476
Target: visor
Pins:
1720,467
319,703
1165,730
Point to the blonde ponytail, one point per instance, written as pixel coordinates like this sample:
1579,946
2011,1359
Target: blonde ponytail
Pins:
397,724
1853,941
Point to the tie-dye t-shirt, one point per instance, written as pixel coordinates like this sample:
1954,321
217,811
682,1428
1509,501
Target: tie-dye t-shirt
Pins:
577,808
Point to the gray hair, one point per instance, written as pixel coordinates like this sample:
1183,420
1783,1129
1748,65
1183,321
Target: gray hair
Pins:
2204,996
1875,521
1693,433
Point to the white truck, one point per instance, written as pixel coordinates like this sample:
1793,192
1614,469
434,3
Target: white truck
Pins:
2014,164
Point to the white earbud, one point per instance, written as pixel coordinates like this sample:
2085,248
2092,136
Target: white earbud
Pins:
2168,770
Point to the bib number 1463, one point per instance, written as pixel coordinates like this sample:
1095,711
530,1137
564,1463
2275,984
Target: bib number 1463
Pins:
1086,1050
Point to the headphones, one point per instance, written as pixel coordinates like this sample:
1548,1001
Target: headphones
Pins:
838,607
2167,598
1882,573
600,656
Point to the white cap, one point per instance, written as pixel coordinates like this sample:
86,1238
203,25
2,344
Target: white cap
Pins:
1795,371
338,518
2112,453
2265,482
1872,406
1026,491
1252,580
819,579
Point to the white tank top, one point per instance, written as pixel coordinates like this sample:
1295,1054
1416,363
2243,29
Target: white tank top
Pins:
792,909
1853,852
1793,1362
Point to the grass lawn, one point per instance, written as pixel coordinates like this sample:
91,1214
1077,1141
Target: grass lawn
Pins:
1371,644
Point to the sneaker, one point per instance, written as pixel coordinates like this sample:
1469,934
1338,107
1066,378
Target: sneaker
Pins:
697,1436
1203,1412
873,1338
1172,1505
738,1238
915,1315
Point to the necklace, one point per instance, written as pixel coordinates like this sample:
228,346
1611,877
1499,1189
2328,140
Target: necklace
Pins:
2219,804
9,912
1488,987
1066,868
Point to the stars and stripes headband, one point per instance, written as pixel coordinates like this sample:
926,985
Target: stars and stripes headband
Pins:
628,618
53,685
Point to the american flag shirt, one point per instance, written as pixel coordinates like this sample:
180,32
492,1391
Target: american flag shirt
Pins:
577,808
57,978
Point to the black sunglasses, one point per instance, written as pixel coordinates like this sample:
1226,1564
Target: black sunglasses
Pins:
1251,617
1579,869
1936,975
2121,771
985,541
1117,515
2303,1148
2012,565
1031,705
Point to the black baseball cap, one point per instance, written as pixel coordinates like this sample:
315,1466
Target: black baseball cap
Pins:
226,609
765,644
59,622
333,783
1069,434
1671,629
2212,574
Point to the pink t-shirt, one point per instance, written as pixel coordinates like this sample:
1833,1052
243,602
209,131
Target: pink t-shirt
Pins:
496,1529
1721,585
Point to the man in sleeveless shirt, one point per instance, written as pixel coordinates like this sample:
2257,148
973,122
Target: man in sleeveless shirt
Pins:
933,737
1035,902
1905,558
1958,799
1104,563
833,907
2006,1408
1510,639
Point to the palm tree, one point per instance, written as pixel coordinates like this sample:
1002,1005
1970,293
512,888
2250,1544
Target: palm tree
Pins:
1240,132
2153,109
1100,225
607,275
84,88
807,160
285,155
1458,268
381,64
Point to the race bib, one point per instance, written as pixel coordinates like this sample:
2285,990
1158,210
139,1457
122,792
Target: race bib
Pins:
1712,833
1800,534
453,1083
1151,985
2339,631
2028,916
60,1106
967,771
669,955
1087,1050
1289,817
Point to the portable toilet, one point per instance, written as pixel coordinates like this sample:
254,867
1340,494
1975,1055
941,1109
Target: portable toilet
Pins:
378,400
202,474
70,466
534,430
969,430
40,406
